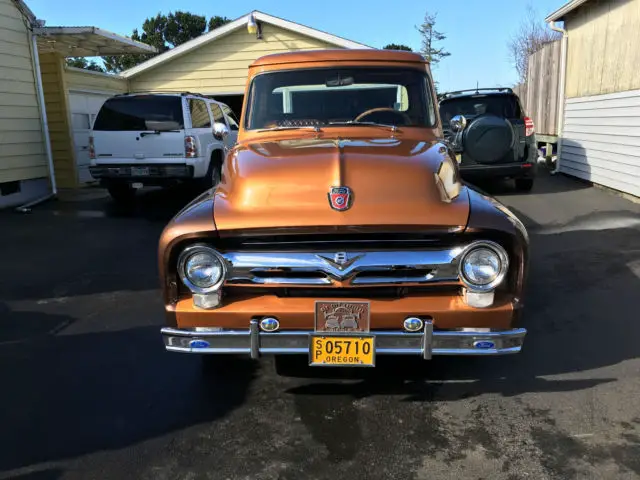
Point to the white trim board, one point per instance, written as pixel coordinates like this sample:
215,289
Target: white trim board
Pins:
235,25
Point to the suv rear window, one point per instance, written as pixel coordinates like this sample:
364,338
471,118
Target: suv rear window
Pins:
504,106
133,113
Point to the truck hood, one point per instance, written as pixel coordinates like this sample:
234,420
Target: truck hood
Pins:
285,184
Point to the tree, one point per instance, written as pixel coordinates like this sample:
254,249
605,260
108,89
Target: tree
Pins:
182,27
217,21
530,37
82,62
163,32
430,39
396,46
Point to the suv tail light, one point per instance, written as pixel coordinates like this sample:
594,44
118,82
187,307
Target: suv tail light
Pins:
92,149
190,148
528,127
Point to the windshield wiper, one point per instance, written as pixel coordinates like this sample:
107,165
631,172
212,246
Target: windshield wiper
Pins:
393,128
315,128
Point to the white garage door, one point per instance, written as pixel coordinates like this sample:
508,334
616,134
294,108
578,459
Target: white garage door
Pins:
84,108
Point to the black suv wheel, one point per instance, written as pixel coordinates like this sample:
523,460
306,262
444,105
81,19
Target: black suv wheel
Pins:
524,184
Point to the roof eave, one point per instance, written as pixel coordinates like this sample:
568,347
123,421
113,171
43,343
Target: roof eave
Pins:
232,26
25,10
564,10
57,30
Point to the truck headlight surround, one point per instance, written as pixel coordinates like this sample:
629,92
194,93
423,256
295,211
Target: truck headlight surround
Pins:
202,269
483,265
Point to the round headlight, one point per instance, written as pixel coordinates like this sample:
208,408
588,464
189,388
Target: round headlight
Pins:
483,266
201,269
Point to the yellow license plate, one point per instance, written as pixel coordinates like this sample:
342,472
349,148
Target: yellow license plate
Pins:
342,350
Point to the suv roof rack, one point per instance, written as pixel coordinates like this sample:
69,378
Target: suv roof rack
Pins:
140,92
476,90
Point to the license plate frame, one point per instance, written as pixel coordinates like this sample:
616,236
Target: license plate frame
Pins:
140,171
324,338
326,311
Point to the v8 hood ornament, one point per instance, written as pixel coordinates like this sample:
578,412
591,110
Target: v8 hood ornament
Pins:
341,260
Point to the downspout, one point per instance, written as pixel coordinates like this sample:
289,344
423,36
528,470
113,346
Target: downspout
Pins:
561,90
45,128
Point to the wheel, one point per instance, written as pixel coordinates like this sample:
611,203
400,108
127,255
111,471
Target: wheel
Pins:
212,177
121,193
524,184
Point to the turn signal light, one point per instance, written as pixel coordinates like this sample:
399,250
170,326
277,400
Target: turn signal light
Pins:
478,299
92,149
528,127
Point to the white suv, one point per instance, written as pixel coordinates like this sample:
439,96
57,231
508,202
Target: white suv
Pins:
160,139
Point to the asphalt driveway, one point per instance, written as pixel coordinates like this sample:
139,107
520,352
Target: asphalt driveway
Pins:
88,391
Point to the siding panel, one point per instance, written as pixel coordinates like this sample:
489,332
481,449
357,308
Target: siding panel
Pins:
55,96
604,48
602,144
22,152
222,65
77,79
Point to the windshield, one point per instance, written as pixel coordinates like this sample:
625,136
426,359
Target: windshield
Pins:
140,112
504,106
322,96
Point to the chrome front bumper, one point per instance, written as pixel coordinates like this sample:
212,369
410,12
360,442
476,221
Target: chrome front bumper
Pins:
255,343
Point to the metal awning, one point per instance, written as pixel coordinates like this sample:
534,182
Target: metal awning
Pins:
86,42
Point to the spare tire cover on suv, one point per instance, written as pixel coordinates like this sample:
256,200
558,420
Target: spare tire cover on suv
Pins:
488,138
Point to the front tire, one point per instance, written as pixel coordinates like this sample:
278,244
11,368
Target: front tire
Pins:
524,184
212,177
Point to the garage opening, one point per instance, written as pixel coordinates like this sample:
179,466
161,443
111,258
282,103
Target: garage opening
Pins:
233,101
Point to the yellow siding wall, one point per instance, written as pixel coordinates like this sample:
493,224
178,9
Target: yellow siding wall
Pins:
77,79
56,103
22,153
221,66
604,48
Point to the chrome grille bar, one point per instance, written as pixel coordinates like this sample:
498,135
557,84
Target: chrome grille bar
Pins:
342,268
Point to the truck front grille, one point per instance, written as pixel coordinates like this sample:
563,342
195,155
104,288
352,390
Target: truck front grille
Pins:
343,269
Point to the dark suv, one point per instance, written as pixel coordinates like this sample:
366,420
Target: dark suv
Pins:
490,123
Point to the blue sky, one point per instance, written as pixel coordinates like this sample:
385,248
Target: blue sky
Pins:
477,30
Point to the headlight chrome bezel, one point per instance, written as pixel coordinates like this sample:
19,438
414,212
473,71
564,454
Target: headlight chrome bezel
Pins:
194,250
500,252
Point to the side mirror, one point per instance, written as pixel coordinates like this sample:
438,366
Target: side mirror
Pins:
458,123
220,131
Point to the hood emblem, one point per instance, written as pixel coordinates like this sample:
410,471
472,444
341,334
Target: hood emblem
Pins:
340,198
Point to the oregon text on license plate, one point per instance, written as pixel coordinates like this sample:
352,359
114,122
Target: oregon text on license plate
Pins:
342,350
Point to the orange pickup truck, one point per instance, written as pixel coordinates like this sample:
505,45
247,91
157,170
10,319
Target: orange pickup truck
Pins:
340,229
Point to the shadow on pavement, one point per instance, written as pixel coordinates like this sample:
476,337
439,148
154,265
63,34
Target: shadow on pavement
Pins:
70,395
541,186
580,304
